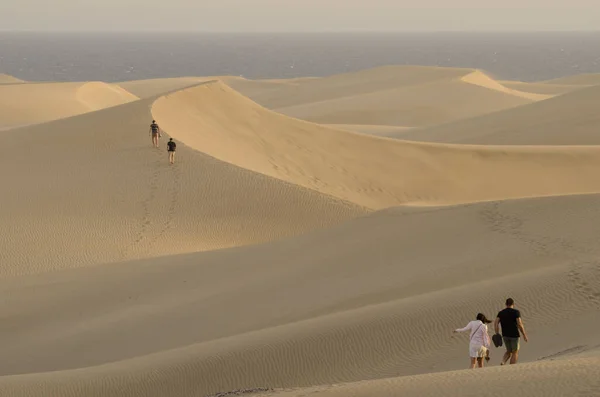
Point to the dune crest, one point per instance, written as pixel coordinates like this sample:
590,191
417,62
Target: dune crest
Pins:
294,258
8,79
481,79
365,170
25,104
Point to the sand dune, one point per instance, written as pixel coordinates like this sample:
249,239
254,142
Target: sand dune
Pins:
352,84
578,79
98,175
398,96
24,104
377,130
303,258
7,79
556,378
568,119
154,87
540,88
369,171
372,298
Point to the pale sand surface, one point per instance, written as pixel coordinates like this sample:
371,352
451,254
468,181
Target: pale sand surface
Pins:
540,88
378,130
369,171
579,79
569,119
154,87
7,79
22,104
316,309
283,254
396,95
95,181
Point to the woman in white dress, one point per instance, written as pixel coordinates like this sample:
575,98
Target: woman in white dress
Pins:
479,345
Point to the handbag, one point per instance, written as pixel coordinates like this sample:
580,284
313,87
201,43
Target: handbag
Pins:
497,339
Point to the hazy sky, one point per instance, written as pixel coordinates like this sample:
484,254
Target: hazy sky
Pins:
299,15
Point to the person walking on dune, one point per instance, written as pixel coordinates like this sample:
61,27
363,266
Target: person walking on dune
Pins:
510,320
155,133
171,146
479,343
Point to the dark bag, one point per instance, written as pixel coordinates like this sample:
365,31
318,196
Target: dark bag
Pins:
497,339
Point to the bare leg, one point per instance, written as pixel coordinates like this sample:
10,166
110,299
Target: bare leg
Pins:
155,140
514,357
473,361
505,358
172,157
480,362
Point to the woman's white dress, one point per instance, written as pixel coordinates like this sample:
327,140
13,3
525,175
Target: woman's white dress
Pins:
479,338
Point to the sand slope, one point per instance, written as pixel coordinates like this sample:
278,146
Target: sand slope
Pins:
7,79
540,88
351,303
24,104
94,181
585,79
365,170
400,96
257,260
153,87
568,119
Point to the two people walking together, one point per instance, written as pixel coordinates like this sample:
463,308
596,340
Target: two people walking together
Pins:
509,319
155,132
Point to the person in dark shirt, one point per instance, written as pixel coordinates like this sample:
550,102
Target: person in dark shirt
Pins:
171,149
155,133
510,320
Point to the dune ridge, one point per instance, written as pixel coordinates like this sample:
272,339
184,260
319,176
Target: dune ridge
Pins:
369,171
293,258
8,79
319,330
568,119
26,104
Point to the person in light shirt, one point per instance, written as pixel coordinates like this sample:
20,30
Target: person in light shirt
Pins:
479,343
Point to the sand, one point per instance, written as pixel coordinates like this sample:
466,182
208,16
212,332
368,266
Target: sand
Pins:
568,119
399,96
33,103
295,257
8,79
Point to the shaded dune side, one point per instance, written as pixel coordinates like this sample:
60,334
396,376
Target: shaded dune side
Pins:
306,91
578,79
540,88
423,104
568,119
313,326
24,104
369,171
95,181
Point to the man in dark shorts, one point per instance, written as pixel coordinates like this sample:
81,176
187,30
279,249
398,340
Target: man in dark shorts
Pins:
155,133
510,320
171,149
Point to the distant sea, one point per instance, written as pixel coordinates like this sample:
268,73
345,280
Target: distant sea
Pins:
130,56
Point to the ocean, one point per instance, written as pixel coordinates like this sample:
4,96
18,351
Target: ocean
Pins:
113,57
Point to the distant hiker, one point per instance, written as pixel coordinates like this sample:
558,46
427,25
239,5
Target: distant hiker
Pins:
155,132
510,320
479,344
171,149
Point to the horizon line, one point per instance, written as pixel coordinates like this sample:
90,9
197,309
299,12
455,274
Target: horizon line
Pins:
301,31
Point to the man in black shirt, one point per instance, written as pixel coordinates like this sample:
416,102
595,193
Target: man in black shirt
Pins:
155,132
171,148
510,320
